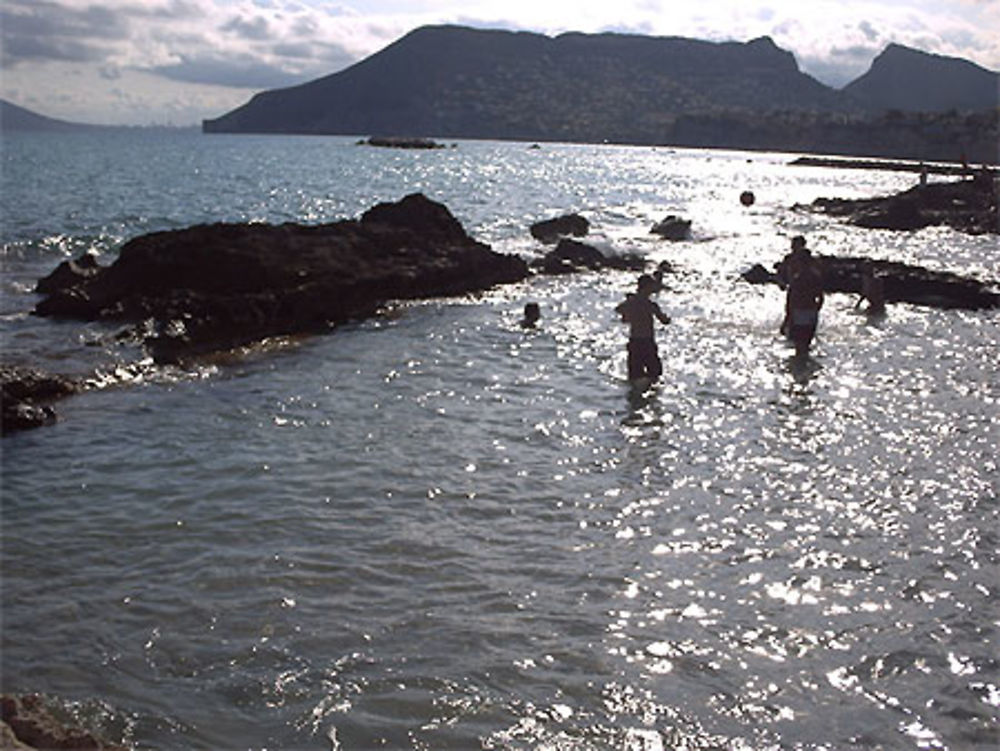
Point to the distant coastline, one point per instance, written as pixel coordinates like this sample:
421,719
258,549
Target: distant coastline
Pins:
454,82
17,119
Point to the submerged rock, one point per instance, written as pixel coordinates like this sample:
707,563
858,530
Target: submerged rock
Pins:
549,231
214,287
26,396
673,228
902,283
966,205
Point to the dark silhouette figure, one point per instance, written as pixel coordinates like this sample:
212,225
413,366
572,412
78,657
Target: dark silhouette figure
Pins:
532,314
638,311
803,301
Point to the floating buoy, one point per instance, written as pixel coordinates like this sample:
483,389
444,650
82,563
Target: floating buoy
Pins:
747,198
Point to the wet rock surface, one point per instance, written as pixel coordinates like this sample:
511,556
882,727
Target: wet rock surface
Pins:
215,287
27,394
550,231
571,256
966,205
28,724
902,283
673,227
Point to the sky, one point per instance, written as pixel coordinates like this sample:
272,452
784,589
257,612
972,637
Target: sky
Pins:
175,62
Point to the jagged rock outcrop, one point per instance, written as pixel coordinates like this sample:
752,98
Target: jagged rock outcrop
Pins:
69,273
549,231
902,283
27,724
214,287
966,205
570,256
673,228
26,396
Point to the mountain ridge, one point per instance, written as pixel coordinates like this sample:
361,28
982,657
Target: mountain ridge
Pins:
15,117
911,80
455,81
461,82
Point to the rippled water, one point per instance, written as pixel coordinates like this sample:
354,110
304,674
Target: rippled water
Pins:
436,530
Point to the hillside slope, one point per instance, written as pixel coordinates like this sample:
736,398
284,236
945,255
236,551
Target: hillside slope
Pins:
452,81
913,81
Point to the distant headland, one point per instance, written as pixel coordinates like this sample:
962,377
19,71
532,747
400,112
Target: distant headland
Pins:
458,82
14,118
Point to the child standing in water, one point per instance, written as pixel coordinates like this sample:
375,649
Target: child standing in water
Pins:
638,312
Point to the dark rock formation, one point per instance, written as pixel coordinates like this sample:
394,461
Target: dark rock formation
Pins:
966,205
26,723
214,287
26,395
571,255
673,228
69,273
549,231
399,142
888,165
902,283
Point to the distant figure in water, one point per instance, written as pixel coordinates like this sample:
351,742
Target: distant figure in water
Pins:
872,289
803,301
638,312
532,314
791,265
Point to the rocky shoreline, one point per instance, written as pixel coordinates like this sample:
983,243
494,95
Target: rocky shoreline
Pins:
27,394
902,282
215,287
184,294
964,205
890,165
189,293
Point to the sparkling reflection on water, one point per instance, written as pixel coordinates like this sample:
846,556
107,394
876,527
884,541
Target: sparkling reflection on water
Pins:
437,530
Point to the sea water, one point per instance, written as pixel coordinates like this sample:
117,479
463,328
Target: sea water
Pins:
437,530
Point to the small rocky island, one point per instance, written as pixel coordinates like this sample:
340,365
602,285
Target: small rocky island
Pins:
214,287
401,142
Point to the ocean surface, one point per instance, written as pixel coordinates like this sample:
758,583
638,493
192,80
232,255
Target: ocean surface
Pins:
437,530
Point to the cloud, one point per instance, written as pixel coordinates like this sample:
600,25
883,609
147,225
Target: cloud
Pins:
255,28
246,72
242,43
39,30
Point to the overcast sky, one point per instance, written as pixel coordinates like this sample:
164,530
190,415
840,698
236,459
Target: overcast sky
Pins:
142,62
